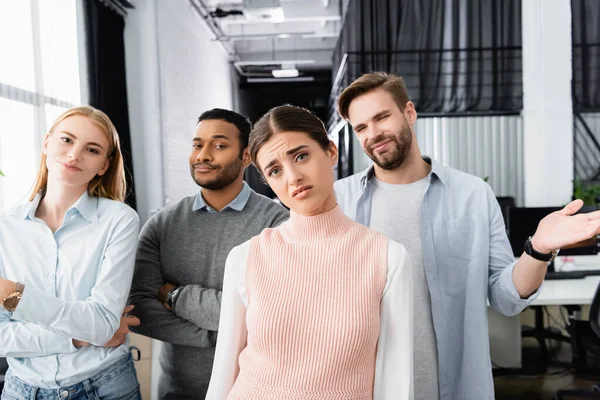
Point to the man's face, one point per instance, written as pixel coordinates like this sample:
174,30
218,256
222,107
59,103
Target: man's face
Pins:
385,132
216,160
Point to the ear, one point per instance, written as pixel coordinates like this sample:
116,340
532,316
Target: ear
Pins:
105,168
410,112
45,144
246,160
333,154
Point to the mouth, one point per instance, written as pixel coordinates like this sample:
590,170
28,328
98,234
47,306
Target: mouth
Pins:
301,190
203,168
378,147
69,167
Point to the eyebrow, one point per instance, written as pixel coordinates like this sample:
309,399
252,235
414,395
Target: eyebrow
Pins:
287,153
379,114
217,136
75,137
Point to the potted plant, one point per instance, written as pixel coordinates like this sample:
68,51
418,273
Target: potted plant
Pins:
588,192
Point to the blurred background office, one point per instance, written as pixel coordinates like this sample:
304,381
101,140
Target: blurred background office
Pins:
508,90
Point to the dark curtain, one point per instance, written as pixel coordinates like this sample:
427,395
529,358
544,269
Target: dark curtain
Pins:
456,56
586,55
106,69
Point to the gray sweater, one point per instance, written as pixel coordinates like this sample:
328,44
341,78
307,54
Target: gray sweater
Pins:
189,248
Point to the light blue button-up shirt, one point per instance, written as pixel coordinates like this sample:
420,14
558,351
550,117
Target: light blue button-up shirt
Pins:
76,279
236,204
467,260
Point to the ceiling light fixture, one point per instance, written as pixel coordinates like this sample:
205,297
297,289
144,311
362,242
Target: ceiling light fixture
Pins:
285,73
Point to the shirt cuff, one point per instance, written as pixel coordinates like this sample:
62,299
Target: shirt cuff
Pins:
508,285
34,307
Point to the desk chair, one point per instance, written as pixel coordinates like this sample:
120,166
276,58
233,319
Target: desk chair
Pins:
3,369
588,337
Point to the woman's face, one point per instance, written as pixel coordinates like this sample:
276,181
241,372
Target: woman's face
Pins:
76,151
299,171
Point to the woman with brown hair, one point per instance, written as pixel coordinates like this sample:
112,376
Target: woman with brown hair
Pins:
319,307
66,263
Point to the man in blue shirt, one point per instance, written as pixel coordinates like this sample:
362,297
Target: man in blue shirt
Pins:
452,226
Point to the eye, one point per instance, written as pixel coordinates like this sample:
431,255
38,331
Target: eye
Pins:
301,157
382,117
197,146
220,146
274,171
94,151
66,139
359,129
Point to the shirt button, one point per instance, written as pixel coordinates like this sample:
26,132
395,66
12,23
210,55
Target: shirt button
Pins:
64,394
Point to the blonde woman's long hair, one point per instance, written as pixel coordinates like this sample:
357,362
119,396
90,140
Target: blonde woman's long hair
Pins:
112,184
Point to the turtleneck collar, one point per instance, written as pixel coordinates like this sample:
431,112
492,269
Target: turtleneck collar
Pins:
326,226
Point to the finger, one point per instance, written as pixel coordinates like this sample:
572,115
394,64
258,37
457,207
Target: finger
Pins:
128,309
572,207
132,321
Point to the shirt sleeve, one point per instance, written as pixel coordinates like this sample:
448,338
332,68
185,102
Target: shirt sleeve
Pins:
502,292
394,362
233,333
24,339
156,321
96,319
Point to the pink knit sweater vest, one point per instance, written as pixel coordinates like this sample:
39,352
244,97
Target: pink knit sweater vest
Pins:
314,288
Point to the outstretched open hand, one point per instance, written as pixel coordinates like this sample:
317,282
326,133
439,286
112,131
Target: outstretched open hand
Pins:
562,228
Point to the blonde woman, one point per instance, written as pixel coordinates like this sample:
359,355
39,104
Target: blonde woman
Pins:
66,263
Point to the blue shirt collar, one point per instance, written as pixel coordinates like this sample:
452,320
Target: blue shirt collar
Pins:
236,204
437,170
86,205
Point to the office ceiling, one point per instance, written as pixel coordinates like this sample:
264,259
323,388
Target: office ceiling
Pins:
259,40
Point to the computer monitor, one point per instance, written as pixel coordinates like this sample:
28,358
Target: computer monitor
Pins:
522,223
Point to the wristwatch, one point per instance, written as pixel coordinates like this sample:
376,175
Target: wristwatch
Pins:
172,296
548,257
11,302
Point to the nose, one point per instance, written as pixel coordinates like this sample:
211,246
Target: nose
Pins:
75,153
294,176
204,155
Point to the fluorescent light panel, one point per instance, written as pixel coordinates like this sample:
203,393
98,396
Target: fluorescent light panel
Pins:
285,73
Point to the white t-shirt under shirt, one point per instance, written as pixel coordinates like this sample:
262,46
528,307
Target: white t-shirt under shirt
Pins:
396,212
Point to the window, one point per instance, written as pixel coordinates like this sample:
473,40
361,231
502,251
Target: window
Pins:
40,77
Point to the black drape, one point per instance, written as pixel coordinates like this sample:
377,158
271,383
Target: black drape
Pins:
456,56
586,55
106,68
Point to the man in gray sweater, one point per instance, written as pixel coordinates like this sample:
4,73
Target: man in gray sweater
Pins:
182,250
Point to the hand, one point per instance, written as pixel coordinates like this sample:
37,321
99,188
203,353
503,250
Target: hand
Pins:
121,334
6,288
163,292
562,228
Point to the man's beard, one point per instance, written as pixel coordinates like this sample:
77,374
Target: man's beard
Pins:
398,154
225,175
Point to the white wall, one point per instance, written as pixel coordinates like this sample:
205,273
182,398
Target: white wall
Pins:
547,105
174,73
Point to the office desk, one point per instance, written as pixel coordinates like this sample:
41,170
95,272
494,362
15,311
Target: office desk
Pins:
505,332
567,292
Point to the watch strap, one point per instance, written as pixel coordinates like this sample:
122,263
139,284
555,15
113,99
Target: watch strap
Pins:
547,257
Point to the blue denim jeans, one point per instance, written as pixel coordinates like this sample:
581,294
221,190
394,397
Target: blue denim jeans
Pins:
118,382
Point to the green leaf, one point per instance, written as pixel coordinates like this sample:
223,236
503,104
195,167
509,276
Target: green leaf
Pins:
1,174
